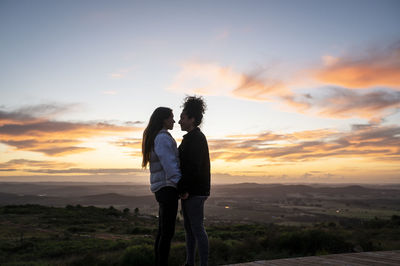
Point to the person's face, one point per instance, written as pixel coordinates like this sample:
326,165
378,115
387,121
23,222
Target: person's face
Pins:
169,122
186,123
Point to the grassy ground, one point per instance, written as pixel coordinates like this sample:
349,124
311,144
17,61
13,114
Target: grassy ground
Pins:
76,235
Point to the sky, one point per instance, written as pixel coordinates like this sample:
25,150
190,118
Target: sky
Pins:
296,91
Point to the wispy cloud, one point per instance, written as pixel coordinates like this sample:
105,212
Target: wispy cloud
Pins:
373,104
331,88
260,84
134,123
18,164
133,143
205,78
120,73
372,68
367,141
87,171
110,92
51,147
223,35
116,75
57,167
26,131
34,113
213,79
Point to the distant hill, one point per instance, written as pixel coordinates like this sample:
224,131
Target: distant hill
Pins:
279,190
247,202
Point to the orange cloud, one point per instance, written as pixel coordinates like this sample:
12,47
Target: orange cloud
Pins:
374,69
213,79
17,164
133,143
56,167
87,171
34,113
205,78
362,141
263,85
256,86
345,103
25,131
330,87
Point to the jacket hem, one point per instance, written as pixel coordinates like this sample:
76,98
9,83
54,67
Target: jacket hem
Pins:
165,185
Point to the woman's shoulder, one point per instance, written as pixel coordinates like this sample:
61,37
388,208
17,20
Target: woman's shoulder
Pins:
163,135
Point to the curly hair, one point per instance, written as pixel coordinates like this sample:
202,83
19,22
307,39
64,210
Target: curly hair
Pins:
194,106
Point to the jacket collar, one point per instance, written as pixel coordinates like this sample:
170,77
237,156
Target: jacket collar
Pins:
163,130
192,132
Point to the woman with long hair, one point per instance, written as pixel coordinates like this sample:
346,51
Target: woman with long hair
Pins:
159,149
194,186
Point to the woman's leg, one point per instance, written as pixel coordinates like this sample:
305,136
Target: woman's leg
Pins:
190,238
167,198
193,209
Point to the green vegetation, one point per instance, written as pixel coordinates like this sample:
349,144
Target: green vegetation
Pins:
77,235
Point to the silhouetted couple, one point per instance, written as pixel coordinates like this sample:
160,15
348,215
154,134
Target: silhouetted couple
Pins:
183,173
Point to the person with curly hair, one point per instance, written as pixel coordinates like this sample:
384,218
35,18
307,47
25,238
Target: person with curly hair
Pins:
194,185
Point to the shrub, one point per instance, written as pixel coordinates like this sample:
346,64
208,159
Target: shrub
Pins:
220,251
310,242
138,255
177,254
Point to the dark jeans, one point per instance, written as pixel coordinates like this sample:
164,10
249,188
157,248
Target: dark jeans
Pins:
167,198
193,214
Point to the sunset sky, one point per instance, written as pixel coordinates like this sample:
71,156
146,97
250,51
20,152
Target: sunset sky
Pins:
297,91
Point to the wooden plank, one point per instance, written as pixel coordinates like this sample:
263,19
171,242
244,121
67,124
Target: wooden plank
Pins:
380,258
371,258
385,255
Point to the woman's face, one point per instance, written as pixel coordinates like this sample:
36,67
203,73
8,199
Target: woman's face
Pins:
186,123
169,122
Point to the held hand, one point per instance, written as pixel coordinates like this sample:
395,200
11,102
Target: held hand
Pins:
184,196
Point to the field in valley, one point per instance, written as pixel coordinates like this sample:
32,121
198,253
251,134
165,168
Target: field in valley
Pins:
115,224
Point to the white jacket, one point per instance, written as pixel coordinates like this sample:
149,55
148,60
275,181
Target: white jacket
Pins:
164,162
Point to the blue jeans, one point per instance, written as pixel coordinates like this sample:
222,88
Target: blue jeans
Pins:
193,214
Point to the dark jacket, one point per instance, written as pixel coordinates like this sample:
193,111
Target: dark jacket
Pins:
195,164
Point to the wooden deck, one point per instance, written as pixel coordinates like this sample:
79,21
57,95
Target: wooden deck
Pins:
386,258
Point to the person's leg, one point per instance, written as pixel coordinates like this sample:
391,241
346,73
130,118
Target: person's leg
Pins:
168,207
195,213
190,238
157,242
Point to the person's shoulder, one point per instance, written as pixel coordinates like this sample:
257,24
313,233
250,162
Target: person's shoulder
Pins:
199,132
200,135
163,135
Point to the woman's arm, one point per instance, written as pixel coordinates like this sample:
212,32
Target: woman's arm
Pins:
166,150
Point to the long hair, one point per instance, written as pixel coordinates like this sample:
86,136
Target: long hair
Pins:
156,123
194,106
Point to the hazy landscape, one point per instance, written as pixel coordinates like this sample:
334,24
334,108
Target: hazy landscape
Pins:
247,202
115,224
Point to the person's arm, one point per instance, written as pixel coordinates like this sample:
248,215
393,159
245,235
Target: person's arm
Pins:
198,156
165,149
183,185
184,154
